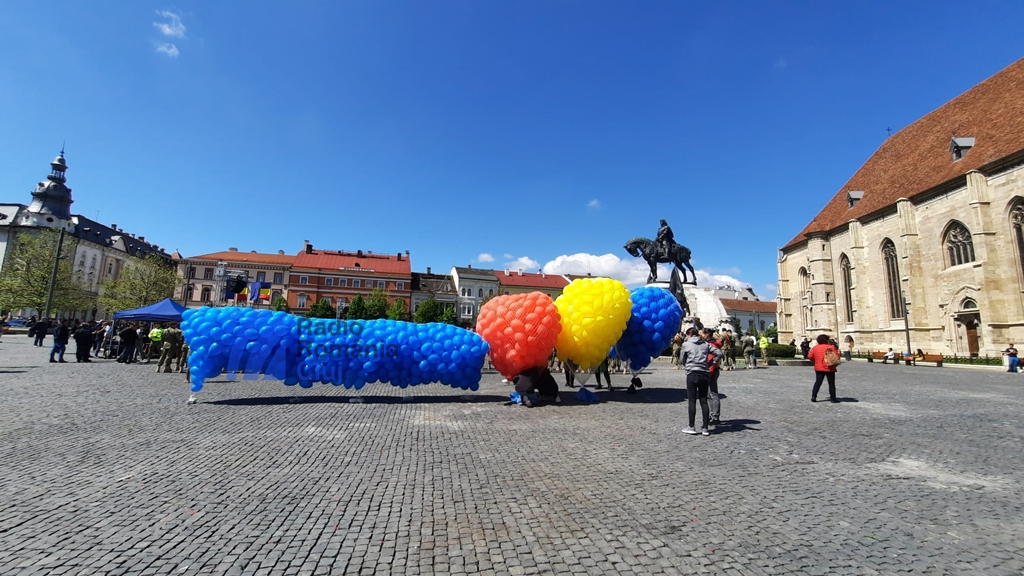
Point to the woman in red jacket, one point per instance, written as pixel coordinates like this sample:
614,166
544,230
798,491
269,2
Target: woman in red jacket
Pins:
821,368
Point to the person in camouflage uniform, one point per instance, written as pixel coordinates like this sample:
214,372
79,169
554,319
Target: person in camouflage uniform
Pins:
173,340
183,362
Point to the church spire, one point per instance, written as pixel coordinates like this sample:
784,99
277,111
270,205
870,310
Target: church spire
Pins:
53,196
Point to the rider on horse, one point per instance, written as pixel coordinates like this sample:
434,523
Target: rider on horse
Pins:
665,238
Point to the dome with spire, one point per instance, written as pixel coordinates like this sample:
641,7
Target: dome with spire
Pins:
52,196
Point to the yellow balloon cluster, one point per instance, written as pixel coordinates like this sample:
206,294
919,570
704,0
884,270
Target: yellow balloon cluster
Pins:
594,313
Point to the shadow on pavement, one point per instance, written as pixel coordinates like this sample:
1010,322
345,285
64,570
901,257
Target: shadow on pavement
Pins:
736,426
437,399
643,396
13,371
843,399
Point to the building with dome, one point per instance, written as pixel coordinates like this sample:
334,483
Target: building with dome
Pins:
926,241
101,250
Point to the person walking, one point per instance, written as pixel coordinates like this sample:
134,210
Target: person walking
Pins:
677,345
83,343
172,339
728,356
129,339
764,349
749,351
39,330
1011,352
714,371
694,358
603,369
60,341
826,358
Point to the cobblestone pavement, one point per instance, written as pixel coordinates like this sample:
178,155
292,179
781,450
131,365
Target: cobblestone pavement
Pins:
104,469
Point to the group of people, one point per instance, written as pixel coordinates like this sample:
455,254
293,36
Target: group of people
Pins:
747,345
88,336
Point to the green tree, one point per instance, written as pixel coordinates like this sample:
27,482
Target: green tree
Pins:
448,317
321,309
280,304
737,328
771,331
357,309
141,282
377,305
429,310
397,310
25,278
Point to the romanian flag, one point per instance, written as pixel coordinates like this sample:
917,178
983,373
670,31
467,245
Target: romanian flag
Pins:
259,291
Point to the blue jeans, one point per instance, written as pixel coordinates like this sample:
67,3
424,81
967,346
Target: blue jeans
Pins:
58,349
1013,363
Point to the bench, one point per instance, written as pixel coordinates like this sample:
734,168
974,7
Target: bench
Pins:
930,358
881,356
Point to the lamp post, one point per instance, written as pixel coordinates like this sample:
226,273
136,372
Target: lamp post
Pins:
906,321
53,273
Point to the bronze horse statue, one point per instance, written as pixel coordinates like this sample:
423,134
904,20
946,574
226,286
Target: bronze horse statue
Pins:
648,249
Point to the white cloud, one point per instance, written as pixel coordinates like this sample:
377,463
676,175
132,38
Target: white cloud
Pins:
631,272
167,48
522,263
173,28
594,204
508,256
485,257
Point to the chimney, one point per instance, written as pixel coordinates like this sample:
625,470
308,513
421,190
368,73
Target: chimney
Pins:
542,274
359,253
399,256
142,238
469,266
309,248
428,269
280,252
520,271
232,249
120,230
114,226
252,251
506,271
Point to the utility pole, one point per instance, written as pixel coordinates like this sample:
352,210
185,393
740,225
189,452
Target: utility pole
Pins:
906,321
53,274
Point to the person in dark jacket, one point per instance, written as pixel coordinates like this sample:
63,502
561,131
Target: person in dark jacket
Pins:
39,330
129,338
805,347
83,343
60,341
538,378
822,370
694,358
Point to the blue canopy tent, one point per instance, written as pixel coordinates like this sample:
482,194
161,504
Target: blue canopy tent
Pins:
164,311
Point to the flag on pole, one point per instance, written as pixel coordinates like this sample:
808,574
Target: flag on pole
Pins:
259,291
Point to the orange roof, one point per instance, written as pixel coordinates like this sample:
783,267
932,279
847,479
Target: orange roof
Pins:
250,257
917,158
749,306
335,260
531,280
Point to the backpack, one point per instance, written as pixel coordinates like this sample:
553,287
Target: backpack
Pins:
831,358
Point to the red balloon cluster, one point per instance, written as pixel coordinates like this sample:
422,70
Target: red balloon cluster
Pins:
521,329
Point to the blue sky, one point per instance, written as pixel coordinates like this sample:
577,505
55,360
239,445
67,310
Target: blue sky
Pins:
527,133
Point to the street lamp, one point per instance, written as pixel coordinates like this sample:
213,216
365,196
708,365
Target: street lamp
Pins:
906,321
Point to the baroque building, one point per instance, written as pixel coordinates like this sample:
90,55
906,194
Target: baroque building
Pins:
926,238
101,251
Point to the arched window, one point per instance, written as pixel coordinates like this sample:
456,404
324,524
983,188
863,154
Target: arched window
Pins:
480,293
275,295
1017,222
958,244
968,304
805,280
892,279
847,273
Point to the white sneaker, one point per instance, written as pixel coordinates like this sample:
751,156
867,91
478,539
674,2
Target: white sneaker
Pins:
689,430
705,432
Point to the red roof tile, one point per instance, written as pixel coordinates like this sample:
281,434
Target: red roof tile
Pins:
251,257
749,306
917,158
334,260
531,280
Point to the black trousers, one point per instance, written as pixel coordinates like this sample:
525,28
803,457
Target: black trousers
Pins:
818,377
697,389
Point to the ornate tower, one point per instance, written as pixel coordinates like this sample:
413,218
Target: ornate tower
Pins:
53,196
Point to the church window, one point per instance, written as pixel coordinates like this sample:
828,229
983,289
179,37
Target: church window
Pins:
1017,222
958,244
846,271
892,279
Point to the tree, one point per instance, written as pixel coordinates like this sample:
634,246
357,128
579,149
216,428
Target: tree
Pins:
357,309
429,310
377,305
25,278
771,331
737,328
141,282
397,310
280,305
321,309
448,317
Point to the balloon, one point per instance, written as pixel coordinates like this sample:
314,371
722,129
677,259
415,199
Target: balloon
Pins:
514,327
593,312
655,318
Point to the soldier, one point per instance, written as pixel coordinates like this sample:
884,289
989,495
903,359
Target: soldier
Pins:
665,238
172,341
155,342
182,365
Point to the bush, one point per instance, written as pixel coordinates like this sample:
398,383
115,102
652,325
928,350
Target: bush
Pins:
781,351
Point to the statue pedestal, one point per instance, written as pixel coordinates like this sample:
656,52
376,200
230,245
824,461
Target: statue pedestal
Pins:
662,285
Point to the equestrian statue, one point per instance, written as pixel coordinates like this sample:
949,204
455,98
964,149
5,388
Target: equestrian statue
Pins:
662,250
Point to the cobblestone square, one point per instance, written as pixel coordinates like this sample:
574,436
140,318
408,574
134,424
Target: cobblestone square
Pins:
104,469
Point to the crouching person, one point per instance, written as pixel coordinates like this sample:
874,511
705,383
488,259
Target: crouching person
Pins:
537,379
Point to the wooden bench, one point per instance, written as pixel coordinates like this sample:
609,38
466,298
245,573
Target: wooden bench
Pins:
881,356
930,358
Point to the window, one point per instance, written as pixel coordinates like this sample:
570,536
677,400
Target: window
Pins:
261,276
329,281
205,294
303,279
399,285
381,284
805,281
357,283
762,325
207,273
191,272
490,292
480,293
1016,224
278,278
846,272
302,301
750,323
325,299
959,245
275,295
343,282
892,279
190,291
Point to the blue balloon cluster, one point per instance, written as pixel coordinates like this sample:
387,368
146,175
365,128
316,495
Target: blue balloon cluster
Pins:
351,353
655,318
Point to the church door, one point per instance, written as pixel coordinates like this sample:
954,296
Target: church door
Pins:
971,326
